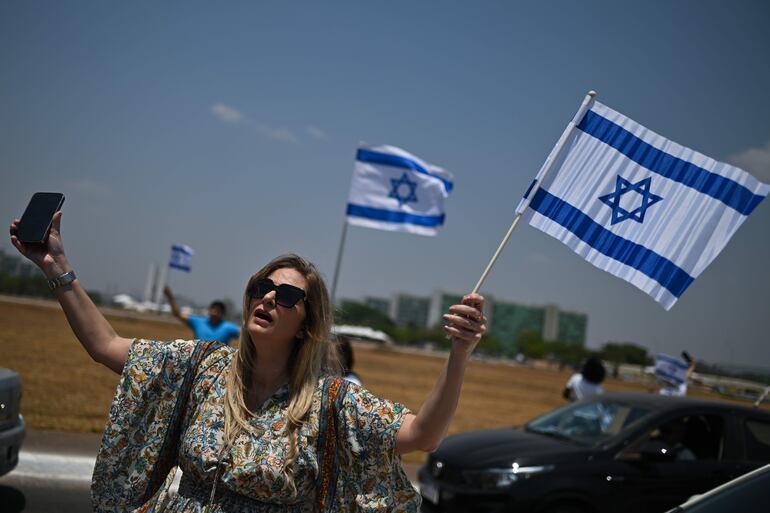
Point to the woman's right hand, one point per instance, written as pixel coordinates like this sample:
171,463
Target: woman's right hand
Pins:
49,257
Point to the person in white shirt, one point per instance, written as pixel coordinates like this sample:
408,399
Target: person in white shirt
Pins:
679,390
587,383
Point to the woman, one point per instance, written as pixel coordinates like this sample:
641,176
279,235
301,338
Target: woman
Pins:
263,428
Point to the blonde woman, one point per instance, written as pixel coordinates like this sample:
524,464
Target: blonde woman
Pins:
264,428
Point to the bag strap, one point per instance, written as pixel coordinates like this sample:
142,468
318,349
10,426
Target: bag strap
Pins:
328,459
168,453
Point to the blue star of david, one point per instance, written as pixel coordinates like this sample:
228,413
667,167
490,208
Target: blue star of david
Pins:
399,186
622,186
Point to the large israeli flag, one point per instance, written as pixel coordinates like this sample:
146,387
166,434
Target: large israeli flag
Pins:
181,257
397,191
640,206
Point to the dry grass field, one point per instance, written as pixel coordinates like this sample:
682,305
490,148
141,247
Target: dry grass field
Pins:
63,389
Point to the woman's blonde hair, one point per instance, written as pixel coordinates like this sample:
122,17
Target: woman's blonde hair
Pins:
309,361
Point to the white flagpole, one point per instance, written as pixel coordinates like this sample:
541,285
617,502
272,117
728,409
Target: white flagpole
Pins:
339,259
537,181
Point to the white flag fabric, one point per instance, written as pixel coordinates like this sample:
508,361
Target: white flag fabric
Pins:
640,206
394,190
671,370
181,257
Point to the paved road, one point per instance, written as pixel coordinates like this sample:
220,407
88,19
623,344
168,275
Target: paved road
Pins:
54,474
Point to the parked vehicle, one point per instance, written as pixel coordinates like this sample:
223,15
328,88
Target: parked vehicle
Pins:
11,421
617,452
748,493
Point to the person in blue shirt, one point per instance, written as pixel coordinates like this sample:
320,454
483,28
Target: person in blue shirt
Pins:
213,327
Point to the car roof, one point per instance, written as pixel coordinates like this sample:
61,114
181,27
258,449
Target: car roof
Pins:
663,403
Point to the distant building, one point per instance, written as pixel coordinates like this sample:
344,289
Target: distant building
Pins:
380,304
506,320
439,304
511,319
407,310
572,328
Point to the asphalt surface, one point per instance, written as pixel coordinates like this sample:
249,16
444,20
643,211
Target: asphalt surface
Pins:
54,474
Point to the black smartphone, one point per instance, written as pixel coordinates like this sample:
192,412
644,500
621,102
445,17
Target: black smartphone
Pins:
36,220
687,357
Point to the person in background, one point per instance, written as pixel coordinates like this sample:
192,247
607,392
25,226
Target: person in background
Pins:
680,390
345,353
213,327
587,383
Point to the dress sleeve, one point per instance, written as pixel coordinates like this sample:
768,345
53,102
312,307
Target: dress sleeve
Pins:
371,478
138,421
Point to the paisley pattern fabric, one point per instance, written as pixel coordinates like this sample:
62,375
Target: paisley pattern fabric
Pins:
368,475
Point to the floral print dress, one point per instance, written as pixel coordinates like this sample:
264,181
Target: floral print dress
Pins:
367,475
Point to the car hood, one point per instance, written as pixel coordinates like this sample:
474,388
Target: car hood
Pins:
500,448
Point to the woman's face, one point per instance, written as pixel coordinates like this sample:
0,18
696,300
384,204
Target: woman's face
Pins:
273,323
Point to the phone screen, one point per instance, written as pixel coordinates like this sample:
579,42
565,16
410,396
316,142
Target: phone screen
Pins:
36,220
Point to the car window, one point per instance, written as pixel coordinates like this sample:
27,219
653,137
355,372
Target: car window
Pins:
757,436
588,423
688,437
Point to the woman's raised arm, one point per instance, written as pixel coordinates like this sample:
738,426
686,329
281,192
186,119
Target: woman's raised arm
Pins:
87,322
465,324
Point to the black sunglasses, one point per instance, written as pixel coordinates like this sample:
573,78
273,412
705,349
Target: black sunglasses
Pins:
285,295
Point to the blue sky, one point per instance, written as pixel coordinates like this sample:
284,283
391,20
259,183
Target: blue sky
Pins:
232,128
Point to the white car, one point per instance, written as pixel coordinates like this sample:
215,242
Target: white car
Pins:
11,421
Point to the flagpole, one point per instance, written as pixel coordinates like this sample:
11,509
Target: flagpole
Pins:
339,259
553,157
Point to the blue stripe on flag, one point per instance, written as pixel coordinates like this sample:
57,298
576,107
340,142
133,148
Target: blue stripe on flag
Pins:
180,267
386,159
181,249
729,192
379,214
634,255
665,376
671,361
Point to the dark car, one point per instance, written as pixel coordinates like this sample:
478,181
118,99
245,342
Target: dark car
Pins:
749,493
11,421
615,453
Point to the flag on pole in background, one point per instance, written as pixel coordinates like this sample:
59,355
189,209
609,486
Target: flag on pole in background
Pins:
671,370
181,256
639,206
397,191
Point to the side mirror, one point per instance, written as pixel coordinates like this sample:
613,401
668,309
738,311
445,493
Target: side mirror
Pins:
656,452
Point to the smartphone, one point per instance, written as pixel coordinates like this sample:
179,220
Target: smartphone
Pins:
687,357
36,220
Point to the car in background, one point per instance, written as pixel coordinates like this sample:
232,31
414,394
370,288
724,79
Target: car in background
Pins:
11,421
616,452
748,493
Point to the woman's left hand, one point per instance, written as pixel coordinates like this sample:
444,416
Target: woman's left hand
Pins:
465,323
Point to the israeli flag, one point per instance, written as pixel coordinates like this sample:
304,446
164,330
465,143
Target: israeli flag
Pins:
397,191
181,256
640,206
671,370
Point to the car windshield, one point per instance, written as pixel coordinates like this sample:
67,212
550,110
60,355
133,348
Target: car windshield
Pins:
587,423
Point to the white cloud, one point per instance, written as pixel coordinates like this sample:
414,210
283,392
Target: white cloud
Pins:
754,160
230,114
277,133
316,133
226,113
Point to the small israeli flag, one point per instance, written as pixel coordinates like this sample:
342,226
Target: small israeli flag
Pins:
397,191
671,370
181,256
640,206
